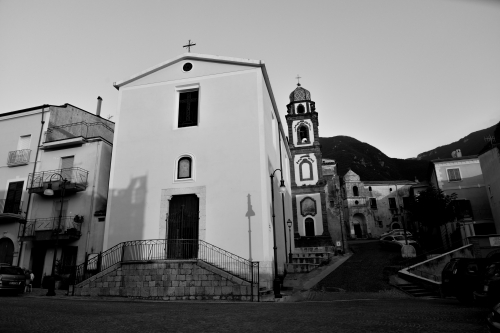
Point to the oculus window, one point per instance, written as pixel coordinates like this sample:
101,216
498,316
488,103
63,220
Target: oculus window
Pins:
188,108
184,168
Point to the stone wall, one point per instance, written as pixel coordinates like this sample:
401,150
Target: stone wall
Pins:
167,280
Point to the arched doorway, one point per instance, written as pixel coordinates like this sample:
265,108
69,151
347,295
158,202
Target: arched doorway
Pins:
6,251
359,223
395,225
309,226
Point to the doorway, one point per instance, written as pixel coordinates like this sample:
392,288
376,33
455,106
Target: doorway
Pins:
309,226
6,251
38,260
183,227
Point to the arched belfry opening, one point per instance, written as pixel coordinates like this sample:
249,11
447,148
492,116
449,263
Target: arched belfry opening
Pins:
303,134
301,109
355,191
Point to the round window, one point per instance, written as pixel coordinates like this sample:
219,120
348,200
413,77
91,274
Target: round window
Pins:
187,67
356,202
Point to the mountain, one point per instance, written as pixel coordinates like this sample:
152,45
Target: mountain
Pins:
369,162
469,145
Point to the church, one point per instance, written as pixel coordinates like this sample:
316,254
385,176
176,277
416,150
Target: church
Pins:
200,155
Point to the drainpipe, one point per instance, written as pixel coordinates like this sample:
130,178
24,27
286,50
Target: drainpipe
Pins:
32,181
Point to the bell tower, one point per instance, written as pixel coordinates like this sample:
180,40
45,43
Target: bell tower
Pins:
308,185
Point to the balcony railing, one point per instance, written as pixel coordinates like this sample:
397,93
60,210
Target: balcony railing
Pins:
67,227
76,180
10,206
80,129
19,157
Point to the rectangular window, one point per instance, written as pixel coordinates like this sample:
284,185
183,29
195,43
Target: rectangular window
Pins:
66,167
188,108
373,203
392,203
24,142
12,202
454,175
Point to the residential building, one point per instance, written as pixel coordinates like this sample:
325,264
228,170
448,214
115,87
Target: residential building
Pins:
55,185
463,176
197,140
490,167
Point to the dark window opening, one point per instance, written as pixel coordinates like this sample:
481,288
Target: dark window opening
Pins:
303,134
12,203
184,167
392,203
369,188
188,109
301,109
373,203
454,175
355,191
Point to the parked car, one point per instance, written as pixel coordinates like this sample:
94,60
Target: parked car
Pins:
396,242
489,290
397,232
12,278
494,319
460,277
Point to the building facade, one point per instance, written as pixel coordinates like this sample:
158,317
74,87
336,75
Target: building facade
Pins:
67,151
197,139
463,176
375,207
490,167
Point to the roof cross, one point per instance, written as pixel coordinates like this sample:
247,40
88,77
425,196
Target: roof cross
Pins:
189,45
298,79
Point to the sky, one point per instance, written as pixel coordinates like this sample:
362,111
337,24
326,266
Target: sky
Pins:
404,76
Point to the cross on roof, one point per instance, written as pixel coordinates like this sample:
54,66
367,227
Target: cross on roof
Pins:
298,79
189,45
489,139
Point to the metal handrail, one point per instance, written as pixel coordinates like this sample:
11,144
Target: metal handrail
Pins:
19,157
67,226
73,175
7,207
165,249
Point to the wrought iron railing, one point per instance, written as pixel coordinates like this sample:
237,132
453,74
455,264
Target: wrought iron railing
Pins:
10,206
164,249
19,157
67,226
75,175
80,129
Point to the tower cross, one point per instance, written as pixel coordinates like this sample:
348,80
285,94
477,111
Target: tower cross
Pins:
188,45
298,79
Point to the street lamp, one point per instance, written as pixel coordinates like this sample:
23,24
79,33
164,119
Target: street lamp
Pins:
50,192
289,223
276,281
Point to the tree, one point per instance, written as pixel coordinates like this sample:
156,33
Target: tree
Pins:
432,209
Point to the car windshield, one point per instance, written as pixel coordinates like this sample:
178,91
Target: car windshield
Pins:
399,238
11,270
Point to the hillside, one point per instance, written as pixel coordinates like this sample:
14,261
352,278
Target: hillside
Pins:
469,145
369,162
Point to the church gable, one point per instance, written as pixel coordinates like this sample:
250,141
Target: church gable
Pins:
188,66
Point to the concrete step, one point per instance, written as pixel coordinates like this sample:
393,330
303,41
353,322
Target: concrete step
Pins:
417,291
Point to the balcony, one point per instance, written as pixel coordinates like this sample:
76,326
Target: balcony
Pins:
19,157
46,229
76,180
76,133
10,211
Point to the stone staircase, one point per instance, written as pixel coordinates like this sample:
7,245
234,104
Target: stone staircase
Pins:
306,259
417,291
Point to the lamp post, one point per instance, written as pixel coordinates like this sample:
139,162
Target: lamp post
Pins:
50,192
276,281
289,223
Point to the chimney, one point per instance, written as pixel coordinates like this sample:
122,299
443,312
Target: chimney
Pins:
459,153
99,101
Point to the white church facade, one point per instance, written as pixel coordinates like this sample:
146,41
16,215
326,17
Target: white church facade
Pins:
196,141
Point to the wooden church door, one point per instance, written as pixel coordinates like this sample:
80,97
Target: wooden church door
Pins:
182,227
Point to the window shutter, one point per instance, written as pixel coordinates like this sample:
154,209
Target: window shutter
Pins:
24,142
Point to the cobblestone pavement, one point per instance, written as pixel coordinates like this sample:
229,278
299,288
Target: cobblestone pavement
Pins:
44,314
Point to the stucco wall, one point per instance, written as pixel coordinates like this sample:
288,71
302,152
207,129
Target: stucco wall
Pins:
490,166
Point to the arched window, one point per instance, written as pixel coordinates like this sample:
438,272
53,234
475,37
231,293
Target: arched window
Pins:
184,167
303,134
305,170
369,188
355,191
301,109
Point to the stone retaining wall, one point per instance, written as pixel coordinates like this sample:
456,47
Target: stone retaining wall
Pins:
168,280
